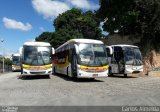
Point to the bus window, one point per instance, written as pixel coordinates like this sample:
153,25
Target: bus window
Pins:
93,54
108,52
118,54
85,53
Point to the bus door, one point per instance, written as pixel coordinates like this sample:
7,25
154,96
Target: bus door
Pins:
73,60
118,60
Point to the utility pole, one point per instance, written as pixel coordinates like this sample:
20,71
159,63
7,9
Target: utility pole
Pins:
2,40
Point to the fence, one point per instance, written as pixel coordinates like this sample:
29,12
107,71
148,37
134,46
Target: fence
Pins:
7,68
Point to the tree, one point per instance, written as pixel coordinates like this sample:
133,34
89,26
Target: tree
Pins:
48,37
72,24
121,15
75,24
140,18
149,20
7,61
45,36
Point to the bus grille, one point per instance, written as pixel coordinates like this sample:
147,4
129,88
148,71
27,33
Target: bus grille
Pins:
38,73
94,71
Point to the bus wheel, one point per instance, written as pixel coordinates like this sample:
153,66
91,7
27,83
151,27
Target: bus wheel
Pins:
54,71
21,71
110,74
125,75
47,76
67,72
92,79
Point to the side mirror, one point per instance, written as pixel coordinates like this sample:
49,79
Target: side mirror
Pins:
53,51
109,51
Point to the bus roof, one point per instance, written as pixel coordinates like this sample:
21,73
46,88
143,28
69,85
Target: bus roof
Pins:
92,41
124,45
86,41
16,54
37,44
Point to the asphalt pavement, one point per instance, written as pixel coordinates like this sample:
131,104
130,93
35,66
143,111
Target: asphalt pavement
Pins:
59,90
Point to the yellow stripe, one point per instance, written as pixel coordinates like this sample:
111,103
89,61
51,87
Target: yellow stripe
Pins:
94,68
26,66
43,66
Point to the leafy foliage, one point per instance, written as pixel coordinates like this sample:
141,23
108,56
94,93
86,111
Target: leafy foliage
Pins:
140,18
48,37
149,20
75,24
72,24
121,15
7,61
45,36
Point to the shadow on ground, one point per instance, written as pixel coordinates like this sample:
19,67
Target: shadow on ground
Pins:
74,79
33,77
122,76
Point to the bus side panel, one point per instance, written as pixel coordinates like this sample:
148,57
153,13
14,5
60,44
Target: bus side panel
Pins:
61,62
114,68
117,61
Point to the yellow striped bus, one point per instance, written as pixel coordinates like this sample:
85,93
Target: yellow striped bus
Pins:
81,58
16,62
36,58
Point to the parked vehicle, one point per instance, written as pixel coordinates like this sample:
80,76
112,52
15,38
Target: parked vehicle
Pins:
81,58
16,62
36,58
124,59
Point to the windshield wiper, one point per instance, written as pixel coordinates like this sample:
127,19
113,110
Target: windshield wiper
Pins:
33,59
42,59
99,61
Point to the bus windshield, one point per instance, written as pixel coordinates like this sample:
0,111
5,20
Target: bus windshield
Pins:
16,60
133,56
92,54
37,55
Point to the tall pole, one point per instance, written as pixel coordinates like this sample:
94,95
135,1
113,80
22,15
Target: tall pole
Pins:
3,63
2,40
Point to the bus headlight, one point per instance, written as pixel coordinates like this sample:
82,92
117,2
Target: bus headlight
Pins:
48,66
26,66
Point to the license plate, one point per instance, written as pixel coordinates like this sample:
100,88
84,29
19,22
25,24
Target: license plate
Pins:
134,68
95,75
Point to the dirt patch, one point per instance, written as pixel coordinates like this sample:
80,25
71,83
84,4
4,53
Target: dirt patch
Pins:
151,62
154,74
138,75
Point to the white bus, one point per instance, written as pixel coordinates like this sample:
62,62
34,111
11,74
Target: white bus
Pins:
16,62
124,59
36,58
81,58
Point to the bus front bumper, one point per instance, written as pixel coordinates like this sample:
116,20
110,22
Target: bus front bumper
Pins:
38,72
83,74
133,69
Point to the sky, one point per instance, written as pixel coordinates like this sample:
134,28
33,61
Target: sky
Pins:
24,20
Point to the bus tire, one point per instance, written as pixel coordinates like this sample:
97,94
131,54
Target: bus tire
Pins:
67,72
125,75
54,71
92,79
21,71
109,72
46,76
